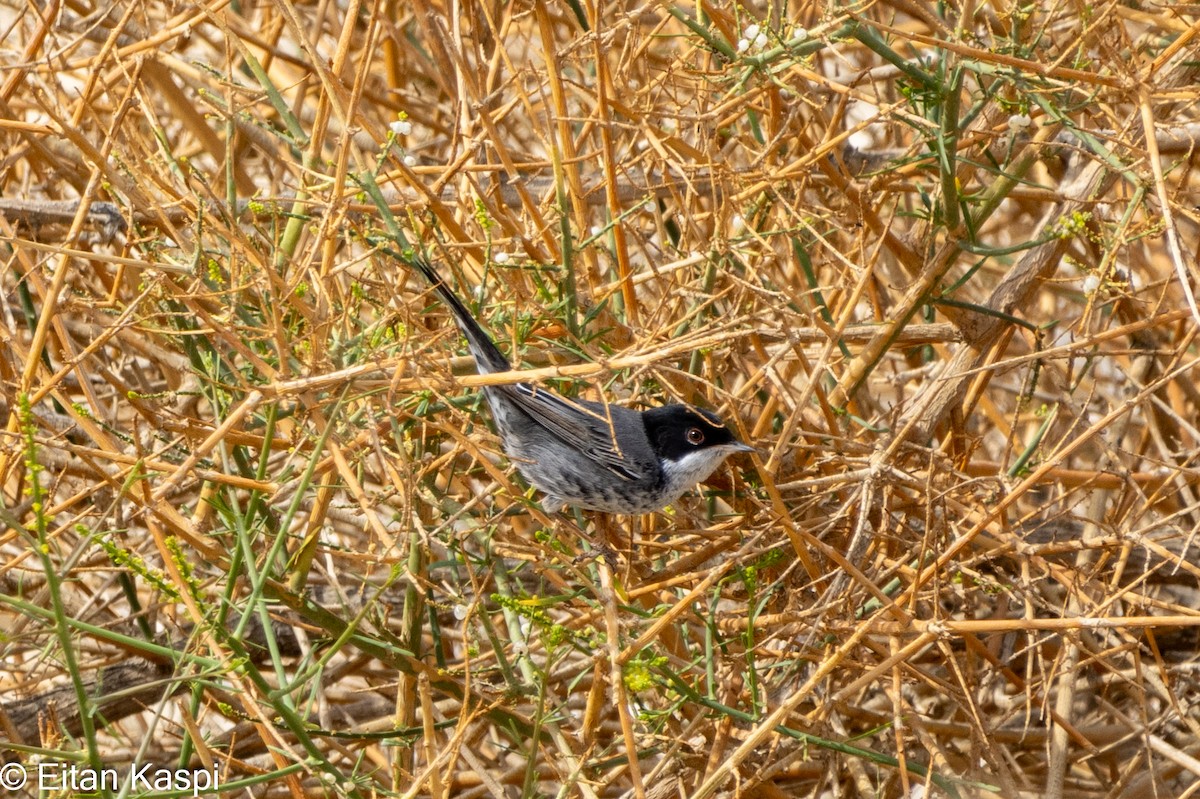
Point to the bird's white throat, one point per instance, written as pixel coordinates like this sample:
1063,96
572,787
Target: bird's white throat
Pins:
693,467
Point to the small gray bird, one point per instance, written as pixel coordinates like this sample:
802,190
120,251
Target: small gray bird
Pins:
589,454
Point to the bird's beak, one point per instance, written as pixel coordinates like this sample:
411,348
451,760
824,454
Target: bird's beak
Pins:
738,446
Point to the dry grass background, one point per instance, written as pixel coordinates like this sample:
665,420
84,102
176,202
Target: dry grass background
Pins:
932,260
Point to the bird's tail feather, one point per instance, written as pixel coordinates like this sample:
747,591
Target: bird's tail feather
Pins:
488,356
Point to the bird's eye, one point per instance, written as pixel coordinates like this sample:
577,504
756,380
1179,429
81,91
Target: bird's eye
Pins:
695,436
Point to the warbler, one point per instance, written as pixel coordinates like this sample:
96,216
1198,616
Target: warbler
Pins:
592,455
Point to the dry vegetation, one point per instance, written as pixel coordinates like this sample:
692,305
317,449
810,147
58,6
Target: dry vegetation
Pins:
932,260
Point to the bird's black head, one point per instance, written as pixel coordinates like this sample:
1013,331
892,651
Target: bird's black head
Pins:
676,431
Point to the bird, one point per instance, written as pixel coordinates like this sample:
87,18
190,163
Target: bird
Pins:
591,455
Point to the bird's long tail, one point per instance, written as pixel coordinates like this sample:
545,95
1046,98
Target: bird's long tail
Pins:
488,356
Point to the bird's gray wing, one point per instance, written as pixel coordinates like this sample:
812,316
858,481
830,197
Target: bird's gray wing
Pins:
585,426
